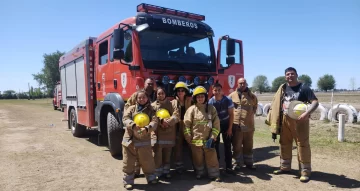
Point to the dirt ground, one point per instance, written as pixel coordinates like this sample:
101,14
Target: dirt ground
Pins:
38,152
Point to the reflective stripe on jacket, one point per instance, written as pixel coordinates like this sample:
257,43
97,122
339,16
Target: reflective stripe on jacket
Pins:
139,139
199,125
166,136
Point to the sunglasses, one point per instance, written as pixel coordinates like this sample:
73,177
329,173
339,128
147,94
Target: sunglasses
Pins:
180,90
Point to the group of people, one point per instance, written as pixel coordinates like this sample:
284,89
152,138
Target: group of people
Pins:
156,128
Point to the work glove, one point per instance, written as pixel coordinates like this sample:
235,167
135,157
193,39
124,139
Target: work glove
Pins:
274,136
210,124
208,143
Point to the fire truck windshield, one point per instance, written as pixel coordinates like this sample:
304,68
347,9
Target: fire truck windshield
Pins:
169,51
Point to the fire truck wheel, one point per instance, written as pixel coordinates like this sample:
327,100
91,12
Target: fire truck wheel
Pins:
76,129
115,135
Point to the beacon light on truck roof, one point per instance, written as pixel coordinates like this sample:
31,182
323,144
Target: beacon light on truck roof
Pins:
147,8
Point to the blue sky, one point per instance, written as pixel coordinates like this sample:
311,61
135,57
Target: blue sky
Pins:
316,37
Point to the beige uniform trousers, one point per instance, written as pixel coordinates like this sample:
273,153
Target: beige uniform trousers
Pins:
211,161
162,157
145,158
299,131
242,146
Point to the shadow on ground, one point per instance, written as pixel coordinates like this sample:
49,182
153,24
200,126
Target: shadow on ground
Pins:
338,181
185,181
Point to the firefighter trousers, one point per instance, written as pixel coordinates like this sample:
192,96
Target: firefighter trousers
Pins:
212,164
299,131
162,157
145,157
243,146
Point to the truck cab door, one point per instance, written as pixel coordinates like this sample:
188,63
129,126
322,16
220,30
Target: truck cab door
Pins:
231,63
104,69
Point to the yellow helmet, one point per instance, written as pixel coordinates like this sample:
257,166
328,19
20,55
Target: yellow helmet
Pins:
181,85
162,114
199,90
141,120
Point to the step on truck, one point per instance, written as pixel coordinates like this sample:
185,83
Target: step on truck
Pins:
101,73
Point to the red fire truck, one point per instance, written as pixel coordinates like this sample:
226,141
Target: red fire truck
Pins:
57,97
101,73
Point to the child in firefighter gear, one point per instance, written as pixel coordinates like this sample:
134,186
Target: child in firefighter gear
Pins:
245,105
292,129
202,126
225,110
137,140
182,102
165,133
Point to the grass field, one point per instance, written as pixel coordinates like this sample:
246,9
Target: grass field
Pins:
324,133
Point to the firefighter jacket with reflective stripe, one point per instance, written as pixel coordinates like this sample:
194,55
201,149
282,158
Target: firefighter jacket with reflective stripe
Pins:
245,105
199,125
131,134
166,136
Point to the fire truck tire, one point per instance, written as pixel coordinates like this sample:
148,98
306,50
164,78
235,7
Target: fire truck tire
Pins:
115,134
76,129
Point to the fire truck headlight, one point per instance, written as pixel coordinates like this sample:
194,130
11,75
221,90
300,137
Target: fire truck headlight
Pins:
211,80
197,80
165,80
182,79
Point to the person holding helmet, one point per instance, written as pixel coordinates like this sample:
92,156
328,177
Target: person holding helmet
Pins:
149,89
245,105
182,102
139,121
291,127
165,134
202,126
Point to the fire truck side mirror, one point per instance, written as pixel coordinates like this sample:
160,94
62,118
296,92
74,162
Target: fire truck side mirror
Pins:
230,47
118,54
230,60
118,36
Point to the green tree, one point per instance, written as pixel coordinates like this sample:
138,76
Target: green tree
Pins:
261,84
49,74
277,82
326,82
9,94
306,80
